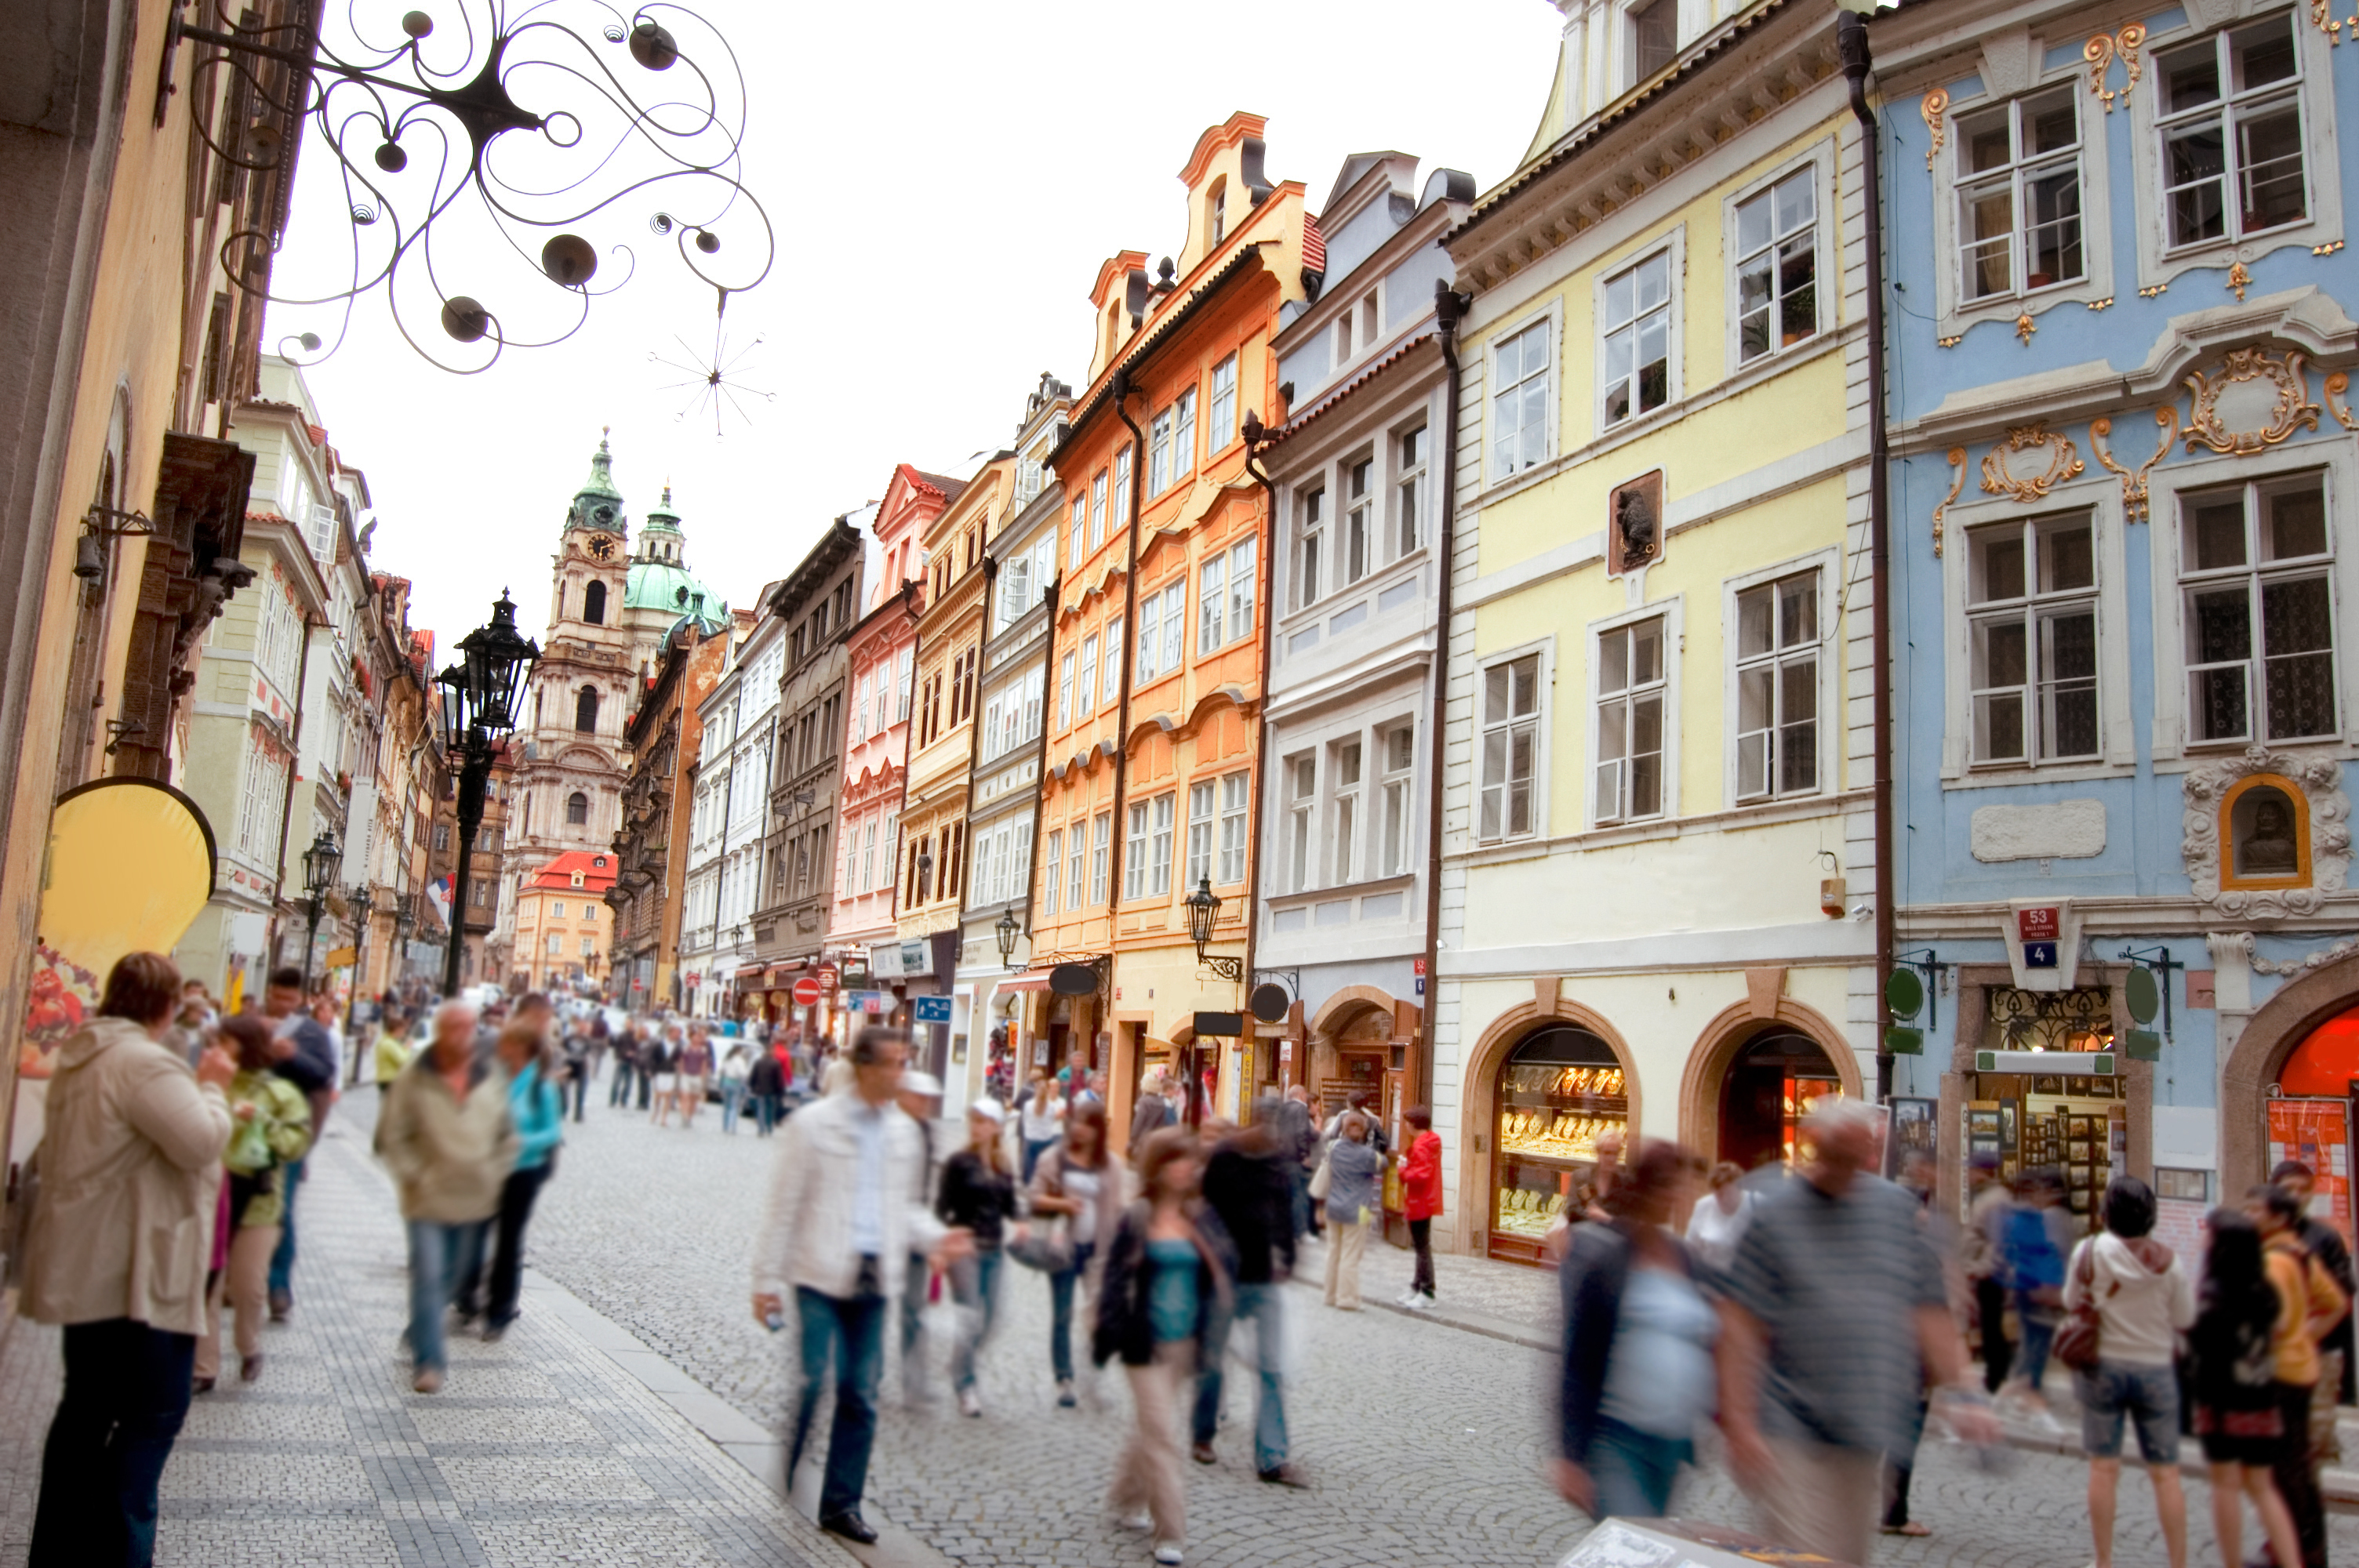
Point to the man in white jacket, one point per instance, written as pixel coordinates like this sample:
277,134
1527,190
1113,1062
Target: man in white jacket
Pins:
847,1205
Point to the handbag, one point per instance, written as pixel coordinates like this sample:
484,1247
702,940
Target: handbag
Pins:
1048,1247
1322,1179
2076,1339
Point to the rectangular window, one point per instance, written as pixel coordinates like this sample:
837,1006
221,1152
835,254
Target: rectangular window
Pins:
1511,707
1150,638
1777,266
1519,373
1211,605
1241,589
1233,798
1105,834
589,946
2032,636
1081,527
1122,488
1112,694
1314,537
1359,540
1175,625
1015,587
2019,196
556,910
1183,436
1778,688
2255,565
1087,689
1159,453
1199,834
1134,854
1035,687
1630,692
1224,427
1064,691
868,862
1347,813
1399,745
1409,492
904,673
983,890
1636,343
1097,509
1073,873
2232,133
1654,39
1159,871
1302,791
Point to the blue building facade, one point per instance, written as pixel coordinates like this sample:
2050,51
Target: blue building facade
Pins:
2125,501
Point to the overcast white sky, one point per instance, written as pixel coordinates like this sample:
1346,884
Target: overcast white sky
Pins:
945,179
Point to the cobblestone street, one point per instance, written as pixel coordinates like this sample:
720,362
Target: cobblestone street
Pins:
630,1417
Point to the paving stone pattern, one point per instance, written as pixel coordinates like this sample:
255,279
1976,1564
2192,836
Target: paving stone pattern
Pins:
541,1450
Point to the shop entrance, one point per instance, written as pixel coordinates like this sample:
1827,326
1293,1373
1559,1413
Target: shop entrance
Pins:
1558,1093
2309,1119
1768,1089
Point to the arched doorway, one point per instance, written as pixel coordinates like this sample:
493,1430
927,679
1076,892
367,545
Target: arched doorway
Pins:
1559,1093
2273,1052
1769,1086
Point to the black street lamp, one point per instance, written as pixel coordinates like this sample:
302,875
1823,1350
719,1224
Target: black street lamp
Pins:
1203,909
479,705
361,902
1008,930
320,864
405,921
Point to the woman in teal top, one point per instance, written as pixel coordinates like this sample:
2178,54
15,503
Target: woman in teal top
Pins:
536,1104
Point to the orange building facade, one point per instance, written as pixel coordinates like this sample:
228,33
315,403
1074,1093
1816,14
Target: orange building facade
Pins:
1154,686
562,925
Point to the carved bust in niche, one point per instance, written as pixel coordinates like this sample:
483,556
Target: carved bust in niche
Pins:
1634,525
2265,823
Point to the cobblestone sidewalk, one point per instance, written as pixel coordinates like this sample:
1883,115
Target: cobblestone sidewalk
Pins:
543,1448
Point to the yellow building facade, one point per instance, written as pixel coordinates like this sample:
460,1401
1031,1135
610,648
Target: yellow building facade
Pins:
1658,780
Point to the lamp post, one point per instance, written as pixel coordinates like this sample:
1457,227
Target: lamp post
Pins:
1008,930
320,864
361,900
405,921
478,706
1203,909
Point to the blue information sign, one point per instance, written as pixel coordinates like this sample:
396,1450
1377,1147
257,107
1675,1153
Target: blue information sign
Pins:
930,1009
2039,955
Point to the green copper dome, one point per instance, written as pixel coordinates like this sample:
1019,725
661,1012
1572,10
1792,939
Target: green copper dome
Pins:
597,504
660,580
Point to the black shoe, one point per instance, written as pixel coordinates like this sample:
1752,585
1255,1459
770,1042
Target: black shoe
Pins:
281,1303
1284,1476
849,1526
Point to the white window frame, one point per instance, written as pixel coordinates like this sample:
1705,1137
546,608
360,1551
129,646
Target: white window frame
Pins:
1201,794
1632,71
1542,723
1347,817
1242,588
1820,160
1162,812
1150,635
1301,797
1183,438
1134,852
1110,695
1310,539
1211,602
1551,395
1672,246
2017,175
1077,851
1122,461
1393,840
1097,509
1235,807
1363,504
1410,485
1087,691
1672,612
1065,690
1828,565
1222,428
1081,526
2330,567
2223,111
1175,625
2036,604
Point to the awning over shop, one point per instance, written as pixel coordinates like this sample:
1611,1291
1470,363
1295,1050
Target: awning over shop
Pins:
1032,980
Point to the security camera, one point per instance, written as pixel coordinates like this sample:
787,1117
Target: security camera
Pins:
1862,912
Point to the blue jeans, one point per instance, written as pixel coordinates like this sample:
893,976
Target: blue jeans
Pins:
1261,1303
2148,1396
1032,1153
443,1259
765,1107
974,1285
282,1261
126,1394
849,1335
732,1099
1060,1305
1633,1471
2038,1335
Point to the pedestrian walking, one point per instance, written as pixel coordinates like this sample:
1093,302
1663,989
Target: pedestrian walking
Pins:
1167,1280
1298,1132
847,1205
1719,1221
1835,1317
977,1195
114,1250
1154,1110
1985,1258
2039,1235
2314,1304
1043,1117
1356,1177
735,1068
2239,1414
2334,1352
695,1066
1420,1172
537,1104
2141,1300
661,1062
391,1052
1245,1186
1080,1179
272,1125
448,1139
579,1055
310,1068
920,1099
766,1083
626,1055
1639,1336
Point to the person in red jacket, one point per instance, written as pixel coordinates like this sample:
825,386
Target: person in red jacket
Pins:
1420,1170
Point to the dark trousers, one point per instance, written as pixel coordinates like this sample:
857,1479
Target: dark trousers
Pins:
1420,1235
646,1087
2296,1471
1998,1355
765,1108
620,1092
126,1394
845,1336
282,1261
581,1087
505,1270
1060,1308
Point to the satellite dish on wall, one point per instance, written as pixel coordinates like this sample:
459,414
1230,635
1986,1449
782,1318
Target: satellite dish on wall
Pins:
1269,1002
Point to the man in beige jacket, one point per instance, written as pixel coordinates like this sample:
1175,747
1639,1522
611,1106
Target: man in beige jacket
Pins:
115,1250
447,1137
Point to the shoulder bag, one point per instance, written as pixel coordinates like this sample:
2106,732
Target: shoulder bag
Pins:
2076,1337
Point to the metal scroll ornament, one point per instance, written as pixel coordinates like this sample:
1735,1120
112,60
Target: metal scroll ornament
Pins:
494,160
2063,462
2080,1020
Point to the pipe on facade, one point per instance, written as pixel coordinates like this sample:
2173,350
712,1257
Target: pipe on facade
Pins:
1450,309
1255,432
974,727
1053,597
1851,39
1121,390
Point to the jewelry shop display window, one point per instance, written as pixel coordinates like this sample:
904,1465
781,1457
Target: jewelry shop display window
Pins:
1558,1093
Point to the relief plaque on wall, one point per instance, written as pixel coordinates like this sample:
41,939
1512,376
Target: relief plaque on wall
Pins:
1634,524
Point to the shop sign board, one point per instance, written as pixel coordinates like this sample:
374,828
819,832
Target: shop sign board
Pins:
2041,929
2066,1064
2042,936
865,1001
2318,1133
901,960
930,1009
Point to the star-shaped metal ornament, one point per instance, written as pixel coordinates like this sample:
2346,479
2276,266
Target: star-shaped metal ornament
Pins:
713,382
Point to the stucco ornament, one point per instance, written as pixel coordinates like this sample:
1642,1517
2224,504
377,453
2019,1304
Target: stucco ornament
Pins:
2218,398
2101,51
1935,104
2309,962
1957,483
2063,462
2133,491
2320,779
2337,385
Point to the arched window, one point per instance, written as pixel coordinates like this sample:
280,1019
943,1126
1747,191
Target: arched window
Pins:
577,808
593,604
585,710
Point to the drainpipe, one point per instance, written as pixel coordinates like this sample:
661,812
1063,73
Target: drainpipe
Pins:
1448,309
1122,711
1851,38
1040,754
1255,434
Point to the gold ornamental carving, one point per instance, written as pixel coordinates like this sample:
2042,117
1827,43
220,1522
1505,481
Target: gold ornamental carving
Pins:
2336,385
1957,483
2024,327
1935,104
2322,13
2293,410
2240,278
2102,51
2063,462
2133,491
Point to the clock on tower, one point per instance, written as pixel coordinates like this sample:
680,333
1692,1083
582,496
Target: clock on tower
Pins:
602,547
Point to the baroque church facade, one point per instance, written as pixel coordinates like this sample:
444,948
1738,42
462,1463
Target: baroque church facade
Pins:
610,606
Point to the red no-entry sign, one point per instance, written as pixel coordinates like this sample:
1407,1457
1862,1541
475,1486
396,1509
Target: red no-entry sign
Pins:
807,992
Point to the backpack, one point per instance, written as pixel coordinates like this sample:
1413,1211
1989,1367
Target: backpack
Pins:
2033,1263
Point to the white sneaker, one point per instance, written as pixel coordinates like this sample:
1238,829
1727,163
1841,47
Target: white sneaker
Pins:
1140,1519
1168,1553
969,1402
1417,1302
